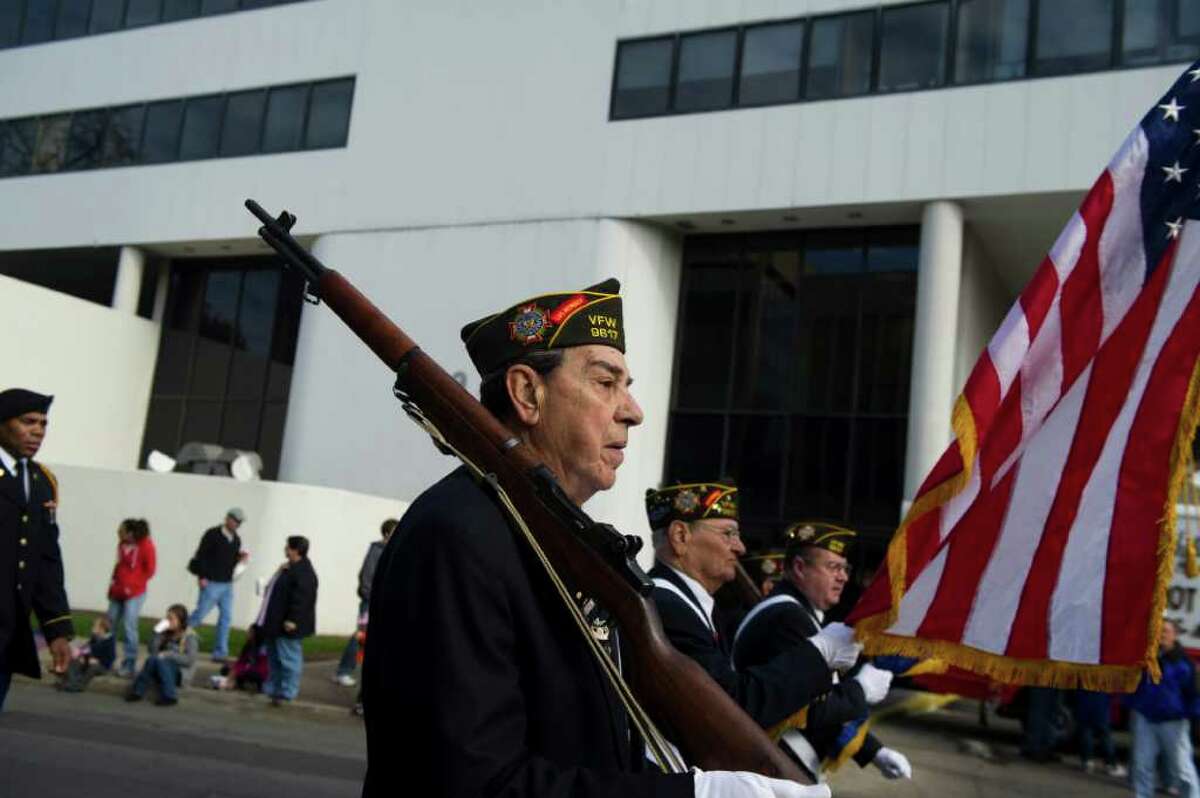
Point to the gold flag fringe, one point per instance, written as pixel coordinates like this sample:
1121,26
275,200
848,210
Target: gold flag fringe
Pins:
872,632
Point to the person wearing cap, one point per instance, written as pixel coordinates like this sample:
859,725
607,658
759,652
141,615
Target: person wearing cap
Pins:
477,680
31,567
816,568
213,564
697,544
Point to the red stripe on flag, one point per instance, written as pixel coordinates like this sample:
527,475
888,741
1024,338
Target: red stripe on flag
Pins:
1039,295
1112,374
1142,490
947,467
1005,434
982,393
1081,306
968,557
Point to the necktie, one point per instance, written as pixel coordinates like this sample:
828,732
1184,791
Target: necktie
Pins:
22,479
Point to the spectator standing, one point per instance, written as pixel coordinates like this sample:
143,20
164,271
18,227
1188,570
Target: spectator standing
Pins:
1160,719
1092,710
366,575
172,660
219,552
287,616
136,562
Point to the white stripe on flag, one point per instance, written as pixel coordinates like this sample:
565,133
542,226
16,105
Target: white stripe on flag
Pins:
1077,606
1008,347
917,598
1122,256
999,592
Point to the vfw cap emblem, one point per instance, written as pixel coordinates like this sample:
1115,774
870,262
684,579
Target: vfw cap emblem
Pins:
529,325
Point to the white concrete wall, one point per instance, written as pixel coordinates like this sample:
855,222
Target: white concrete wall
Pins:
345,428
467,112
982,302
340,525
97,362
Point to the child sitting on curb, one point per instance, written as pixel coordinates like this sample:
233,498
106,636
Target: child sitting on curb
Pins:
172,660
96,656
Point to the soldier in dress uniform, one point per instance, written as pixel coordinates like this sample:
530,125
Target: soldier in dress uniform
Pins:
31,570
697,543
477,682
815,570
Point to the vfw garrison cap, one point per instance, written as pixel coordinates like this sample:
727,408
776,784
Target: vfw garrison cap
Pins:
18,401
691,502
549,321
819,535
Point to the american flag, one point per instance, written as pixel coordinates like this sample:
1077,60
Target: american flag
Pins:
1039,548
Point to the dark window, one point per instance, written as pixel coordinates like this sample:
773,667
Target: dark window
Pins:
201,135
10,23
124,135
771,60
218,6
1073,36
913,51
1183,29
142,12
241,132
284,129
643,85
160,143
50,151
39,22
793,371
706,63
16,146
107,15
180,9
1154,31
84,273
86,141
839,57
992,40
329,114
251,4
219,377
72,19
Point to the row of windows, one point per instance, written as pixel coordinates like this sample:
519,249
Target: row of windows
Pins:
304,116
25,22
896,48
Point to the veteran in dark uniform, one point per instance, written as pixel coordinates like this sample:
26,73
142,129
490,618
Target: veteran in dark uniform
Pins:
697,544
31,570
815,571
476,681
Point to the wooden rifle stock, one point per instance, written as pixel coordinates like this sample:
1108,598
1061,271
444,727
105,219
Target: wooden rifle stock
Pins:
689,707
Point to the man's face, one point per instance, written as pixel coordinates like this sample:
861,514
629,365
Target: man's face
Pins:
711,552
1167,636
22,435
584,417
821,575
232,523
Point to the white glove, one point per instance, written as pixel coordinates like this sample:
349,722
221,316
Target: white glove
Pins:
739,784
892,764
837,646
875,682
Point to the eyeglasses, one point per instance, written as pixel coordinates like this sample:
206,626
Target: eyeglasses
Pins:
833,567
730,535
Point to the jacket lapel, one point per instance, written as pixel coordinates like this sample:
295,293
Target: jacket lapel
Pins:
11,488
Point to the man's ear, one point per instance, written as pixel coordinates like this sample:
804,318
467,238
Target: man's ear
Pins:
525,392
677,536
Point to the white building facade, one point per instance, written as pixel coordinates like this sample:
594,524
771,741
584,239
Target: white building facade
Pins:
819,211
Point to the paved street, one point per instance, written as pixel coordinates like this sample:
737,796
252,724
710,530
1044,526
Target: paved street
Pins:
229,746
234,746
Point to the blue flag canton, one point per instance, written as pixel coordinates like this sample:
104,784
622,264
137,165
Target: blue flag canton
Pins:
1171,185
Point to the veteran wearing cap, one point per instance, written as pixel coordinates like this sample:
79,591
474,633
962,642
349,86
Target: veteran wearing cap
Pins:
477,682
214,565
696,547
816,568
31,570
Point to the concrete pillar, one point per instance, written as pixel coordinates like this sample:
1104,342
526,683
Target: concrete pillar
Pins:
931,392
130,265
160,292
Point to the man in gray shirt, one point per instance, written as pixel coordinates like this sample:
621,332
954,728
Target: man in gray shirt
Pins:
366,575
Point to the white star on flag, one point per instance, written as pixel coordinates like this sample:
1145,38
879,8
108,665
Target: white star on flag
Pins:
1195,73
1174,173
1176,227
1171,110
1197,134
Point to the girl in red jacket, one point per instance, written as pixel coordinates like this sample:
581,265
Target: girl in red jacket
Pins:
127,591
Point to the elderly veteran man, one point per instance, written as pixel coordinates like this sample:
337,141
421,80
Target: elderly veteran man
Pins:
31,570
696,547
476,682
816,569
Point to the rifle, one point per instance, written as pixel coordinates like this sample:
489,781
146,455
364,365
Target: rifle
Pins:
692,710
